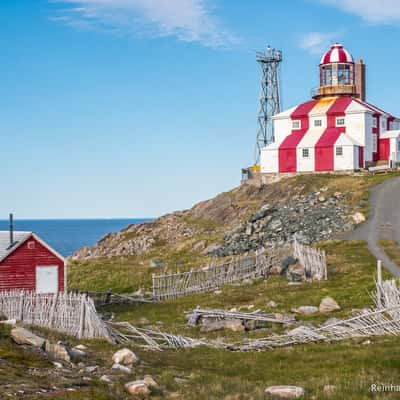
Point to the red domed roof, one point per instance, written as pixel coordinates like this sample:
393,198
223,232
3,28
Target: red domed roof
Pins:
337,54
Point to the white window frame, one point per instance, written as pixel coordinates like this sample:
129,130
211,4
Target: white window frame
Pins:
305,152
296,124
374,143
374,122
337,151
319,124
398,146
340,119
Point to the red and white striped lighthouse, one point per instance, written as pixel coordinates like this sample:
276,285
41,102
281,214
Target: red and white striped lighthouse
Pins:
336,130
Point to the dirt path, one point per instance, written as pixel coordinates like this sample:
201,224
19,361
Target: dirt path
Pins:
383,223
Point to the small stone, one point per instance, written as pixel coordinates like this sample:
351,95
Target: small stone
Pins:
125,357
234,325
137,388
367,342
23,336
150,382
91,369
106,378
80,347
272,304
328,304
329,390
156,264
121,368
358,218
321,199
305,310
57,365
144,321
217,292
285,392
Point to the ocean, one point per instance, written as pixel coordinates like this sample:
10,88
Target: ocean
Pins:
69,235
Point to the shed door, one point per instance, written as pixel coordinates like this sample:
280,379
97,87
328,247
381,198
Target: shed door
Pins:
47,279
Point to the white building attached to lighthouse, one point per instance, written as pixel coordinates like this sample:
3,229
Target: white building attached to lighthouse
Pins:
335,131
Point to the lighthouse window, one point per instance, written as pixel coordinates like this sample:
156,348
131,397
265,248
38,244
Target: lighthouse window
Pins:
339,151
344,74
327,75
339,121
296,124
306,153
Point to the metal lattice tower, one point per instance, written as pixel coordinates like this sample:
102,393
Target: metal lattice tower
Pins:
269,97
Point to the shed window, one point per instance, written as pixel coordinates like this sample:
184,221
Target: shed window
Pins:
318,122
340,121
339,151
31,245
306,153
296,124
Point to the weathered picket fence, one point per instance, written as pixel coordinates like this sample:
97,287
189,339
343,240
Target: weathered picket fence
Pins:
313,261
213,276
71,313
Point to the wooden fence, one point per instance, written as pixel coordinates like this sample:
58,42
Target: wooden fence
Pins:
313,261
213,276
71,313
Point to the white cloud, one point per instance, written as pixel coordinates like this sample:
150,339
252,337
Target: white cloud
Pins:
317,42
374,11
186,20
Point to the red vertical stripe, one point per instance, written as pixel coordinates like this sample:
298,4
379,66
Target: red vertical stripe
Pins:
324,148
288,148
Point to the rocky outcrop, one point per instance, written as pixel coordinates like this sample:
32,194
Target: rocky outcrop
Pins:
248,218
311,218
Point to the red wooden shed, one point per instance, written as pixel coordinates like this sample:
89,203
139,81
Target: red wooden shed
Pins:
28,263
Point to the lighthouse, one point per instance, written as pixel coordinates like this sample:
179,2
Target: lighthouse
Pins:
337,129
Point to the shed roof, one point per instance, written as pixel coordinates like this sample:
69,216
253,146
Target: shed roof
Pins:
20,237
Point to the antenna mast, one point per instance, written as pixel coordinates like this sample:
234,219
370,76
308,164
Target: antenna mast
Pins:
269,97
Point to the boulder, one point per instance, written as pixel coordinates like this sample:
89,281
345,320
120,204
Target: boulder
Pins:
328,305
285,392
358,218
305,310
138,388
125,357
23,336
61,351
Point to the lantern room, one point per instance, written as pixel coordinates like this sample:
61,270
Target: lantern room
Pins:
337,73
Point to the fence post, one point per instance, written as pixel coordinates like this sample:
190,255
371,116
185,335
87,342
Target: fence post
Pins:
53,309
21,310
82,317
379,272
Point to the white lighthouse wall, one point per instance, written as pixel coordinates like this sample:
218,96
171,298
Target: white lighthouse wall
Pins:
308,142
282,128
269,160
349,159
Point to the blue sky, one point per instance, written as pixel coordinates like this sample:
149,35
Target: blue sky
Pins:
134,108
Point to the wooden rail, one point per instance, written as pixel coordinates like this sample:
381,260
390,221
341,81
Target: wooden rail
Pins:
213,276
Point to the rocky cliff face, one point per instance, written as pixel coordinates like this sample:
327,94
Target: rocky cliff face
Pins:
234,222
